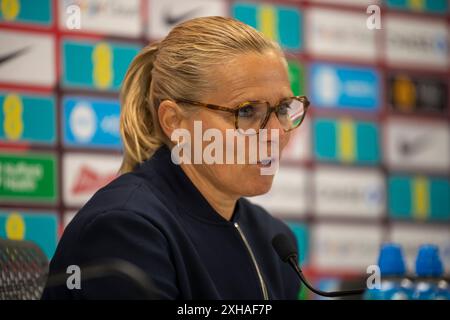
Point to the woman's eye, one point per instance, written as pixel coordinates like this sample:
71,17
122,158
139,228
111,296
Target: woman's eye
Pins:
247,111
283,109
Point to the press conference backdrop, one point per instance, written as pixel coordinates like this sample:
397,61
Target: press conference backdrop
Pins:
371,164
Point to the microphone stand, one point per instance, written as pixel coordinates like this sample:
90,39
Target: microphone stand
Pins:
292,260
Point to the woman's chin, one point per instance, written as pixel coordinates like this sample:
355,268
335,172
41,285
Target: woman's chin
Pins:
258,186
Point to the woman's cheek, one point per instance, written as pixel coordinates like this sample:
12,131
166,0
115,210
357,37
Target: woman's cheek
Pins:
284,141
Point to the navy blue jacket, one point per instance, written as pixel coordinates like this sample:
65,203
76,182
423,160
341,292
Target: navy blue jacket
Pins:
155,218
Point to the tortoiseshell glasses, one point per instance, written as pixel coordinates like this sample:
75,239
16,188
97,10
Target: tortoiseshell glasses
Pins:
255,114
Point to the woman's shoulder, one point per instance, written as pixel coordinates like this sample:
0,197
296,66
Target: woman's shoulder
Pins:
128,195
128,191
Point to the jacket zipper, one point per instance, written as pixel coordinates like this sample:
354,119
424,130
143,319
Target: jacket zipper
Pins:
258,271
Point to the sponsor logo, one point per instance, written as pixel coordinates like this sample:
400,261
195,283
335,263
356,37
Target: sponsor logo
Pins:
113,17
19,52
96,65
345,87
27,118
280,23
91,122
417,145
346,140
84,174
11,55
83,122
334,246
36,12
89,181
38,227
416,42
164,15
410,148
408,93
435,6
362,195
28,177
173,19
340,34
418,198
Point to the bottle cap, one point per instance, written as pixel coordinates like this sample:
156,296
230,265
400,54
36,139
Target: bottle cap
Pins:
428,262
391,260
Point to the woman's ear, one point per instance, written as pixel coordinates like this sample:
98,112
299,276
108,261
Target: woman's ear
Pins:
169,114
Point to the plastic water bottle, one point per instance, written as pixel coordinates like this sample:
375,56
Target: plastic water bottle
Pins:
429,271
443,290
394,284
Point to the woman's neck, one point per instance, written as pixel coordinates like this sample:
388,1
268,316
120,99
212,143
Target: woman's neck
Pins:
220,200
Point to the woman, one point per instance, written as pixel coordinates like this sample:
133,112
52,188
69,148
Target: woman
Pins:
187,225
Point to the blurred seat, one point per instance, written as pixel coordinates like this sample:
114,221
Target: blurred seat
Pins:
23,270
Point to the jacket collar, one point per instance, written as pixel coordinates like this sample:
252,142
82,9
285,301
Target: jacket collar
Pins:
175,184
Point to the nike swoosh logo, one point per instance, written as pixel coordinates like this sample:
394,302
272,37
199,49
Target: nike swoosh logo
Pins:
171,19
12,55
408,148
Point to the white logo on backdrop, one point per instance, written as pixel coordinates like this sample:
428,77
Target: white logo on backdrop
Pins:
340,34
83,122
111,124
416,42
113,17
329,83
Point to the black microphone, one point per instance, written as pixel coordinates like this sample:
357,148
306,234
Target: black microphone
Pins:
287,253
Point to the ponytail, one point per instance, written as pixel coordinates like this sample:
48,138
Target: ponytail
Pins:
138,119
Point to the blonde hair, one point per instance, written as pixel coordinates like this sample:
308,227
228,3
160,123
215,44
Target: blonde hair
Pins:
177,67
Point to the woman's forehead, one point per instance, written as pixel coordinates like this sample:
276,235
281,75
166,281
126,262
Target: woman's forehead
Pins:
253,77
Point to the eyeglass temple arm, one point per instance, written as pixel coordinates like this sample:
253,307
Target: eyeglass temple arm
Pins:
206,105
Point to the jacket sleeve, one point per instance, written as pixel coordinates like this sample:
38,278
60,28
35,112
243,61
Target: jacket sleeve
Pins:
130,237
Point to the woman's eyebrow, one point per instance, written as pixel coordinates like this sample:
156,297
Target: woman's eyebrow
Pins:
240,101
286,96
242,97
